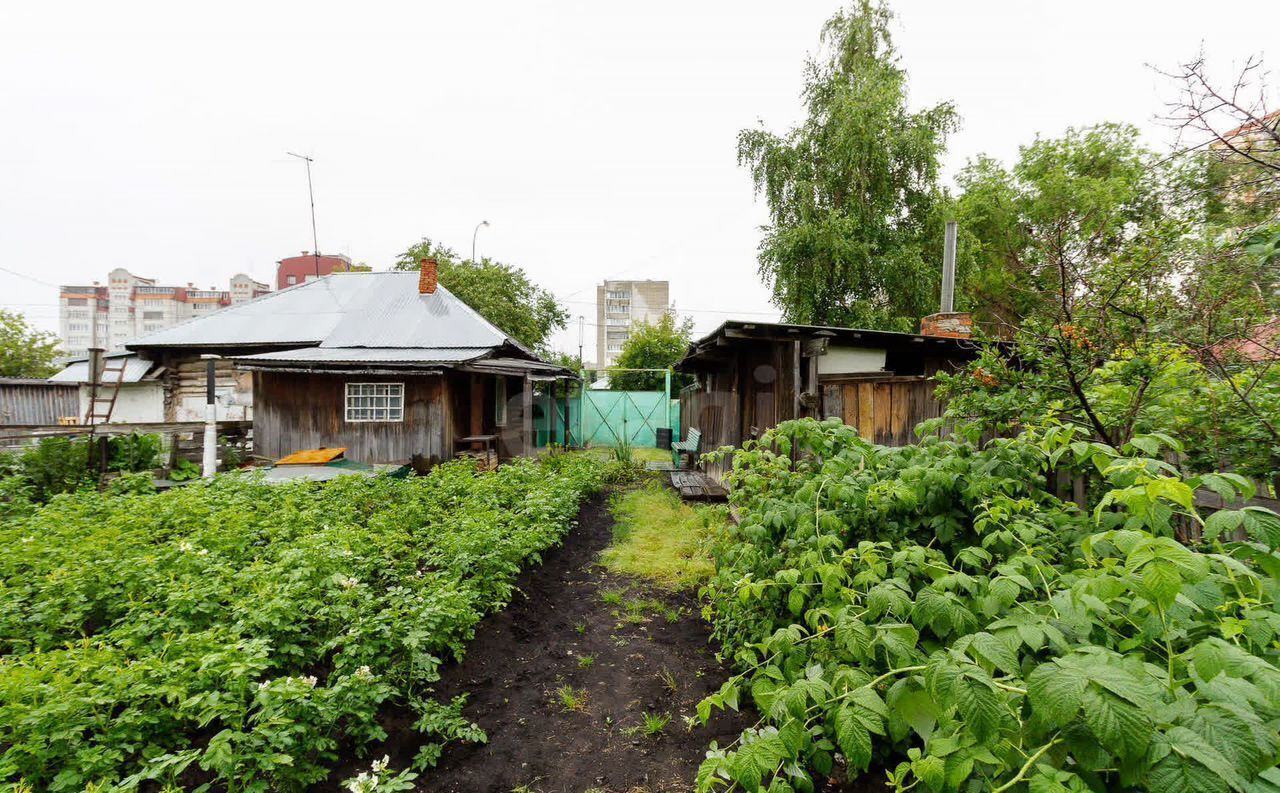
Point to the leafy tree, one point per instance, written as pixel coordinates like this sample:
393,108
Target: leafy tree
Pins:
856,213
501,293
1079,248
652,346
24,350
1079,224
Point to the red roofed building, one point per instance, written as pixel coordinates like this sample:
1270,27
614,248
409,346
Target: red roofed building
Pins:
1261,344
309,266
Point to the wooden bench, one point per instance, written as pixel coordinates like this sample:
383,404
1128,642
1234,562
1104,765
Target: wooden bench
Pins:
690,445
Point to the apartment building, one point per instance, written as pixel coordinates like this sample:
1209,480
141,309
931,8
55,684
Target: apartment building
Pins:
244,289
131,305
620,305
294,270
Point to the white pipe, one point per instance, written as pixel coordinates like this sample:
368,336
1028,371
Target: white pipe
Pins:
210,459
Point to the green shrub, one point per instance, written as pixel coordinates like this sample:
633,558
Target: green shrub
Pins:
133,452
935,611
55,465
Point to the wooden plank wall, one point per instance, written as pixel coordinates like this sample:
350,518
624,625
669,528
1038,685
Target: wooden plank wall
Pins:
884,410
294,411
716,412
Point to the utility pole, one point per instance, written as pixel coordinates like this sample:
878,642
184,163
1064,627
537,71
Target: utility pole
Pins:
315,245
473,238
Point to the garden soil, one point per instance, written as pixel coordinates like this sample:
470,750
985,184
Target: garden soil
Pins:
657,660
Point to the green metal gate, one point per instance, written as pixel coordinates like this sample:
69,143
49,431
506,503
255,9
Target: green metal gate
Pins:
609,417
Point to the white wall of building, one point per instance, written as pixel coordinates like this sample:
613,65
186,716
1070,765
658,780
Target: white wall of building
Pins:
136,403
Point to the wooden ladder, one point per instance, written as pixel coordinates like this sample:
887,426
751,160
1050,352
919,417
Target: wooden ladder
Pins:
100,406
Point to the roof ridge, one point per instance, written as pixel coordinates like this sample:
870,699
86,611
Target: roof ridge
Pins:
260,299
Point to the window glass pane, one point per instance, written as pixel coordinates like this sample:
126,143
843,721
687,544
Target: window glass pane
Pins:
374,402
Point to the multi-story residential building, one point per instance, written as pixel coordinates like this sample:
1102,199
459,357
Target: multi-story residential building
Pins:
130,305
296,270
83,317
244,289
619,306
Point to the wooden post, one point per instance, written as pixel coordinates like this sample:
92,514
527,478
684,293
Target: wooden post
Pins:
526,417
564,436
666,388
477,408
795,377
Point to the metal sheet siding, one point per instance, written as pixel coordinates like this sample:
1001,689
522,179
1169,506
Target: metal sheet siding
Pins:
78,371
341,310
369,355
37,402
397,315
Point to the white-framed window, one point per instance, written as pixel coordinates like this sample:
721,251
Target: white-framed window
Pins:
500,401
375,402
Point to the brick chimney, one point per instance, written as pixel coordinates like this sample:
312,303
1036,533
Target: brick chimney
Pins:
428,278
950,324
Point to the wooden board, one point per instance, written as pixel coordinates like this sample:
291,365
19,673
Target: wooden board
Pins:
312,456
697,485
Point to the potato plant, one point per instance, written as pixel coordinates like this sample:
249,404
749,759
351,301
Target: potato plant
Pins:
934,612
242,635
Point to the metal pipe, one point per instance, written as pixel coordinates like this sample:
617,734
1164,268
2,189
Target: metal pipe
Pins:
210,459
949,269
315,241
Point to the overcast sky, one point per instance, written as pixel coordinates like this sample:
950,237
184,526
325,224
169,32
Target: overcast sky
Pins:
597,138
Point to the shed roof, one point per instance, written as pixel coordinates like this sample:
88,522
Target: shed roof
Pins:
135,369
732,330
350,310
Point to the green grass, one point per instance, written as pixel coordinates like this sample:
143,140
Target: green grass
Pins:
654,724
585,661
572,699
648,454
658,537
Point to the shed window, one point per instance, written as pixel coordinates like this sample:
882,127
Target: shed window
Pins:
500,402
375,402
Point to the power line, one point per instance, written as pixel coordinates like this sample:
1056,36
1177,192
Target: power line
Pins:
681,310
29,277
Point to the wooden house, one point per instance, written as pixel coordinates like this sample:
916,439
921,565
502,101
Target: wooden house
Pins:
752,375
390,365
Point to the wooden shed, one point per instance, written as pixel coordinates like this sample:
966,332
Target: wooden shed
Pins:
751,375
389,365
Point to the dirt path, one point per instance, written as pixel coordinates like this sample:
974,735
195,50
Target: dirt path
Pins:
648,651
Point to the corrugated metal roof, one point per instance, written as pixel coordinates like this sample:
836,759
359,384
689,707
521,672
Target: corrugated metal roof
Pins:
518,364
24,401
77,371
368,355
379,310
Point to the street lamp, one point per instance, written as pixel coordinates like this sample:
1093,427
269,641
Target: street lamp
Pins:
473,238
